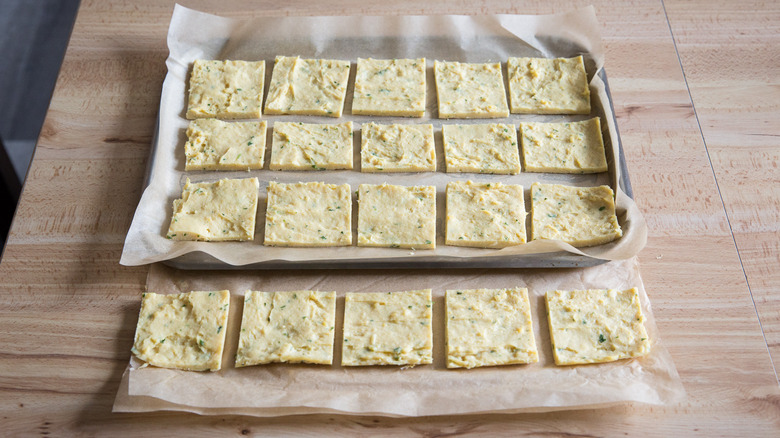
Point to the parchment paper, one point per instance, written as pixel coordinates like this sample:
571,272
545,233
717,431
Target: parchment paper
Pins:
193,35
286,389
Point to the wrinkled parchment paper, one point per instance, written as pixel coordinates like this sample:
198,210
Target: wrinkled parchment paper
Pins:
286,389
492,38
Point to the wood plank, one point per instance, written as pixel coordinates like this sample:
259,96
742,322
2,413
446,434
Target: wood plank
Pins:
730,54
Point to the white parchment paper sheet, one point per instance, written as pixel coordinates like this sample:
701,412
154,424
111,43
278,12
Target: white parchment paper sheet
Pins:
285,389
493,38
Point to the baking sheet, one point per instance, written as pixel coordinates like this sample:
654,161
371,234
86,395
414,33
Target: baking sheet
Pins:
454,38
287,389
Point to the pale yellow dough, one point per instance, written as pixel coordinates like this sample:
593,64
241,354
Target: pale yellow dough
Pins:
392,328
489,327
184,331
216,145
470,91
304,146
218,211
308,214
594,326
485,148
580,216
397,148
397,216
485,215
226,89
307,86
290,326
548,86
570,147
389,87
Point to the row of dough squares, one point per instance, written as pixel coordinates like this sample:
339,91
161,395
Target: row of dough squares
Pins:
568,147
387,87
484,327
488,215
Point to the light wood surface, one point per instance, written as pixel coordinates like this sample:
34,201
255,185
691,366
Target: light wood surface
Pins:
695,90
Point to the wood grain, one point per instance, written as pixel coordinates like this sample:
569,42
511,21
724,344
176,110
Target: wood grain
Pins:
731,55
68,309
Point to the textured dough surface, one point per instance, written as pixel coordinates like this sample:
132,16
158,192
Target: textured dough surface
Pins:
485,215
580,216
397,216
470,90
226,89
489,327
184,331
307,86
388,328
218,211
305,146
482,148
289,326
593,326
308,214
548,86
389,87
216,145
571,147
397,148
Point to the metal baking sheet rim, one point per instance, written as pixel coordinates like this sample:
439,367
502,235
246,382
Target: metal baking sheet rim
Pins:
558,259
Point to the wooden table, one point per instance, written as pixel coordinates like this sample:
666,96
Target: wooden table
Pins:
696,92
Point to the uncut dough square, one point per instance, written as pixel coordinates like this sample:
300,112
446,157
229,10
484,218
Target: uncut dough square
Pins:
548,86
397,148
489,148
470,91
308,214
216,145
594,326
226,89
389,87
183,331
397,216
485,215
218,211
489,327
387,328
304,146
579,216
314,87
290,326
571,147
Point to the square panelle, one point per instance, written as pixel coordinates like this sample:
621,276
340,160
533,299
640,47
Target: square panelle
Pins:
397,148
314,87
388,328
307,146
548,86
389,87
594,326
184,331
397,216
579,216
308,214
226,89
489,327
215,211
569,147
470,91
216,145
485,215
289,326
